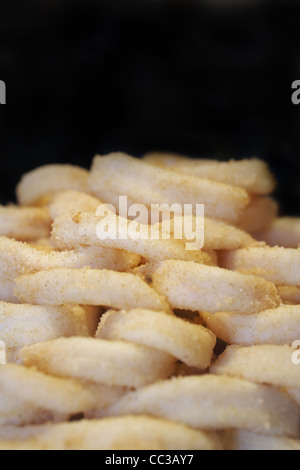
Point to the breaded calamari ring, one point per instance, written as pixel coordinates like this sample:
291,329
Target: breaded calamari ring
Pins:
17,258
31,397
266,364
50,179
88,287
124,433
72,201
118,173
192,344
106,362
274,264
24,223
275,326
251,174
43,244
75,230
214,403
23,325
192,286
217,235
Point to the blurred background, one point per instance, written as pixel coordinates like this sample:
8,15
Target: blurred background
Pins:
204,78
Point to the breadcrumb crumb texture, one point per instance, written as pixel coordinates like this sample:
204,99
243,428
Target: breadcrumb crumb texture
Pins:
118,173
80,229
221,236
88,287
251,174
266,364
218,235
275,264
192,286
274,326
17,258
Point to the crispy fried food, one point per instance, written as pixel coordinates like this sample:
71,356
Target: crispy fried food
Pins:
218,235
214,403
106,362
135,277
74,230
24,223
275,264
221,236
192,344
88,287
275,326
192,286
266,364
23,325
17,258
253,174
124,433
31,397
47,180
118,173
107,258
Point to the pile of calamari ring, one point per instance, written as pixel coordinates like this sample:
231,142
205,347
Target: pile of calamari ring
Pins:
135,343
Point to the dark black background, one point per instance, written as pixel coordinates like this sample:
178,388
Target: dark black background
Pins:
86,77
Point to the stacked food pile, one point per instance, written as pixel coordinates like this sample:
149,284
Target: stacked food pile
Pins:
138,342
